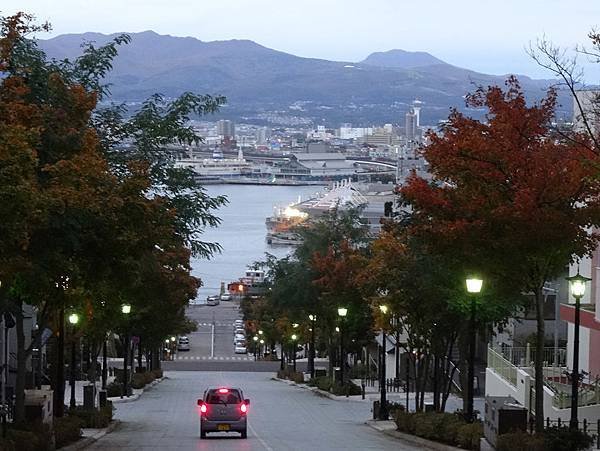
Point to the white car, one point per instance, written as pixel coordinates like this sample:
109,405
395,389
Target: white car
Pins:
241,349
226,297
212,300
183,344
239,322
239,337
240,330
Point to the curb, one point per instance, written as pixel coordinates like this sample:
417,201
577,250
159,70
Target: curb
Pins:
135,396
87,441
324,394
411,439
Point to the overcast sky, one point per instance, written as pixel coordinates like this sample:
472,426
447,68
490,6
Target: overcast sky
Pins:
483,35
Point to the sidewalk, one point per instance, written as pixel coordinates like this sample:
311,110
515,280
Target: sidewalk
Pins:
372,394
91,436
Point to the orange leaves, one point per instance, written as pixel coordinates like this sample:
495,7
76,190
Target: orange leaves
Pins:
507,184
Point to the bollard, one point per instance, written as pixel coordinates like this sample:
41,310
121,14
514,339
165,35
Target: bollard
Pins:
362,389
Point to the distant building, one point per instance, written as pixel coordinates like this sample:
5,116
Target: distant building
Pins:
262,134
226,129
411,125
316,166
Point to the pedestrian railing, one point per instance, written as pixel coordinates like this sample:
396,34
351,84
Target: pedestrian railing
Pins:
502,366
591,428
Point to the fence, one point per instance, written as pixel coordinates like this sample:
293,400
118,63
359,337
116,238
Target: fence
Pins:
591,428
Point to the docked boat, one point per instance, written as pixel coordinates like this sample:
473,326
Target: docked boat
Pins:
284,239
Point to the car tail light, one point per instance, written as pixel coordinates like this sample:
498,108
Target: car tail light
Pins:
223,390
203,408
244,408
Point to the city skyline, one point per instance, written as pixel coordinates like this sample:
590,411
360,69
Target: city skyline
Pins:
490,38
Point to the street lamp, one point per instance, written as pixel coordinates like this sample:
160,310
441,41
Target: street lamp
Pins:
577,287
311,354
383,413
294,338
342,312
474,285
73,320
126,310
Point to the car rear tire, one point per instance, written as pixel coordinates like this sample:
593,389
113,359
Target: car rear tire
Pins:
244,433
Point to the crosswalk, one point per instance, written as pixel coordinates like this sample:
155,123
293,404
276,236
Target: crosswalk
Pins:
204,357
217,323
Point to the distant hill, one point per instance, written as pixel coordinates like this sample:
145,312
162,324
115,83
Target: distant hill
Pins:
261,84
401,59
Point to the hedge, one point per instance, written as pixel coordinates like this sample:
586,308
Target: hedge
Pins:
66,430
447,428
553,439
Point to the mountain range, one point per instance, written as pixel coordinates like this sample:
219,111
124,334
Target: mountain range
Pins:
266,85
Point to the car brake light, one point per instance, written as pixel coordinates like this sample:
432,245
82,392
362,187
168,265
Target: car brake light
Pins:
223,390
244,408
203,408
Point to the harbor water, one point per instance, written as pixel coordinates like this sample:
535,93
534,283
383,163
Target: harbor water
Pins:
242,231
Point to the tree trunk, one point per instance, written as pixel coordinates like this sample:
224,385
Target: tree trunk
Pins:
21,364
539,361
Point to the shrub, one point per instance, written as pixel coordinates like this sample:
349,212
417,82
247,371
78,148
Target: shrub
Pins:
469,436
158,373
93,418
298,377
349,388
565,439
520,441
114,389
323,383
23,440
66,430
440,427
140,380
405,421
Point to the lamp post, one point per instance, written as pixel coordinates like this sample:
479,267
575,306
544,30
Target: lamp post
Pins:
262,342
73,320
59,393
342,312
473,287
255,340
383,413
577,288
126,310
294,338
311,353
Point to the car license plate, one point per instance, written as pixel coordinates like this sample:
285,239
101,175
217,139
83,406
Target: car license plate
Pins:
223,427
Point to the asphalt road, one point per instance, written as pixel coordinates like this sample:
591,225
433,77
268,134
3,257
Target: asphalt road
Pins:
211,346
281,418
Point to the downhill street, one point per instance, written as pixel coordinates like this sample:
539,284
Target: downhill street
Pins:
281,417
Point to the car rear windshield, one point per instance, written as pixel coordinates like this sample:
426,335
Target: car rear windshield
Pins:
215,397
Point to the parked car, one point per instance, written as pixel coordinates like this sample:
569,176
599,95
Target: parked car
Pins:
226,297
223,410
183,344
241,349
212,300
239,337
240,330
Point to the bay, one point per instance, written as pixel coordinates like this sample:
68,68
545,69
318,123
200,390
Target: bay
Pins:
242,231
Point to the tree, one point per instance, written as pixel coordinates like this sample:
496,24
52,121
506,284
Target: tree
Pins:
508,196
108,226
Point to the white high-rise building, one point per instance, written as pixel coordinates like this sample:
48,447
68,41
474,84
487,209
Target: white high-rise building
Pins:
416,106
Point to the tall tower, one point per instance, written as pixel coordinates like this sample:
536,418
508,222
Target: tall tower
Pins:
416,106
411,125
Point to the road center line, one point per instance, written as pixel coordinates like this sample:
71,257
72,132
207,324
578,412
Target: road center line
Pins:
212,341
